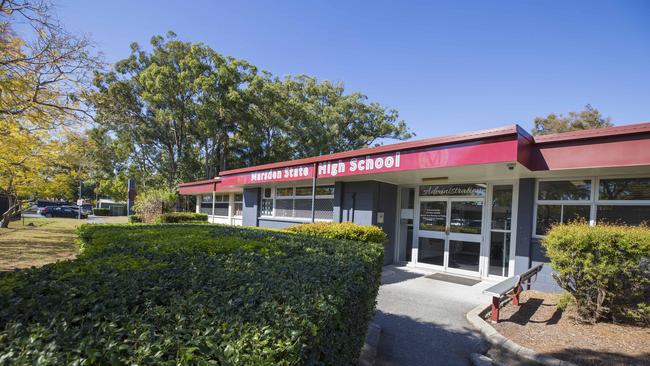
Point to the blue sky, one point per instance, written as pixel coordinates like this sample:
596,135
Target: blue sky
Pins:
446,66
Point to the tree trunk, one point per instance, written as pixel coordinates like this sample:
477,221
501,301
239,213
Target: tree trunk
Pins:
6,216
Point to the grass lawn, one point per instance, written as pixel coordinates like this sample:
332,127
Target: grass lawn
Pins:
40,241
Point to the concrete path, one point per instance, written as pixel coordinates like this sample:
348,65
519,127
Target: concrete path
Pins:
423,320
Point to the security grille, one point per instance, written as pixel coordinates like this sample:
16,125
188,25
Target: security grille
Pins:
284,207
324,209
303,208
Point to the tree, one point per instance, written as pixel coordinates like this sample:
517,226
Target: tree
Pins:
173,108
324,120
42,74
152,203
586,119
185,112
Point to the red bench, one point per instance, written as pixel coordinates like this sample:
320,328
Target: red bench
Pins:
510,288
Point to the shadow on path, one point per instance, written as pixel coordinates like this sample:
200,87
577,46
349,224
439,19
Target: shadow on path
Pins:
392,275
410,342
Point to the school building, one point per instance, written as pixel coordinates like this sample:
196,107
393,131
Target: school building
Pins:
474,204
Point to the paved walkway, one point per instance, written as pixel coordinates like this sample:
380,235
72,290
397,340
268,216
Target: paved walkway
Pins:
423,320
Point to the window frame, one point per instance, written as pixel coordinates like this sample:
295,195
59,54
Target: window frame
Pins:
235,202
275,197
593,202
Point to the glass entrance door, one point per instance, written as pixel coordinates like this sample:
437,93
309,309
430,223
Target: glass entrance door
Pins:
449,234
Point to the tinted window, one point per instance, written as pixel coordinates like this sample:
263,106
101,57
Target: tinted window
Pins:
325,191
624,189
627,215
501,207
284,192
547,216
565,190
303,191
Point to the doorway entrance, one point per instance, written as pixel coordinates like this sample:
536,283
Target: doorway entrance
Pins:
458,228
450,233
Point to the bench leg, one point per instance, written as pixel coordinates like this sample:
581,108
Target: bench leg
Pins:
515,297
495,309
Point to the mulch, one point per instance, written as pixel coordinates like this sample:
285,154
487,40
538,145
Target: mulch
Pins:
540,325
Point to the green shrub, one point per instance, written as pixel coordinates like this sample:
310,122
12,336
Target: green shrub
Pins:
344,231
192,294
134,219
564,300
101,211
605,268
152,203
176,217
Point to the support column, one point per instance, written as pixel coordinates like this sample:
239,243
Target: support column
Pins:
230,207
524,230
313,194
213,197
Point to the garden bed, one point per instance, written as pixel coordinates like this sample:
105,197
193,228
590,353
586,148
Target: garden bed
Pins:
199,294
540,325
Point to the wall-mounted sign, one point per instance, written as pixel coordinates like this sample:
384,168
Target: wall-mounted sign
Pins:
424,158
300,172
281,174
368,164
452,190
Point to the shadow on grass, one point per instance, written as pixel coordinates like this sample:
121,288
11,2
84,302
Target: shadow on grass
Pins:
409,341
24,247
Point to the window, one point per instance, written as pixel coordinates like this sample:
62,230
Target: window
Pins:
238,209
623,201
565,190
562,201
629,215
221,203
624,189
296,202
206,204
266,208
500,230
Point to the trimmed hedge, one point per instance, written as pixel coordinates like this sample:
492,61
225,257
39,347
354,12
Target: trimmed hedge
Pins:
605,267
178,217
101,211
192,294
343,230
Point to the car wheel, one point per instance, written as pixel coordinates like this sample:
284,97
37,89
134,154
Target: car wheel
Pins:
48,215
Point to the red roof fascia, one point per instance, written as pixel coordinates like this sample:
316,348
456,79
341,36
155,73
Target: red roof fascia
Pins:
215,180
639,128
408,145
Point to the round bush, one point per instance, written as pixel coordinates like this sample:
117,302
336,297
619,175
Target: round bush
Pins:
605,267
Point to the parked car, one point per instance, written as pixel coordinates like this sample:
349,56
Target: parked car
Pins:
61,211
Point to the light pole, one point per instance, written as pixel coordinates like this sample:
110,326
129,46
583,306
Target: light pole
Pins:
80,201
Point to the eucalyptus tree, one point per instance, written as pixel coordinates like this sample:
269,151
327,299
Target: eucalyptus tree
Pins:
586,119
182,112
323,119
174,108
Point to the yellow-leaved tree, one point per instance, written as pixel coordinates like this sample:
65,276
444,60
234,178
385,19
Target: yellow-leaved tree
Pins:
42,77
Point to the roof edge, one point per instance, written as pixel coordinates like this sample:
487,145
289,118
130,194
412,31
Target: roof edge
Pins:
406,145
631,129
200,182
